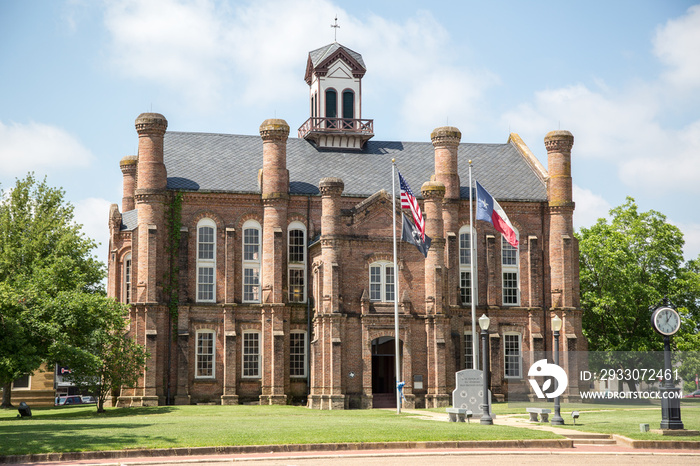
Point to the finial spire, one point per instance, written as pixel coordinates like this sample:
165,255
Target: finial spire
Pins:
335,30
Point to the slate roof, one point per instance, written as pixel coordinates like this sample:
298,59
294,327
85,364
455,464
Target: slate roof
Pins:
230,163
320,54
129,220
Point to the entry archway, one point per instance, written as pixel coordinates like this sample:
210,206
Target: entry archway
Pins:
384,372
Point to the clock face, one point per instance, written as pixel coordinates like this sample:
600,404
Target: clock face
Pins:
666,321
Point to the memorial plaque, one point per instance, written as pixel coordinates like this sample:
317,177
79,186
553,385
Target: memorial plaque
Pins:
469,391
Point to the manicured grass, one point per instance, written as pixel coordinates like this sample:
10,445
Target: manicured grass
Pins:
82,429
626,422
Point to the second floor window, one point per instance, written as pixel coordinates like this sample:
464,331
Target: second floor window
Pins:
251,262
206,260
510,275
296,262
381,282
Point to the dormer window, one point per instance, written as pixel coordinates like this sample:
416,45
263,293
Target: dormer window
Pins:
331,103
348,104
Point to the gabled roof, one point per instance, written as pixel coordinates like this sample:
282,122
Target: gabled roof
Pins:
321,58
230,163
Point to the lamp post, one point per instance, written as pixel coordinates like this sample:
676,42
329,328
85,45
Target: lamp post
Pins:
484,322
557,420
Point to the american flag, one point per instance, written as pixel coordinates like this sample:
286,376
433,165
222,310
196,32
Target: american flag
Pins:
408,201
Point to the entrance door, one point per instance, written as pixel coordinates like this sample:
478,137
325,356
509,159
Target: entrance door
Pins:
383,373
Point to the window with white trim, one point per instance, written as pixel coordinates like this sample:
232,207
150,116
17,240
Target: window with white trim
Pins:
127,278
510,273
465,272
205,354
297,353
381,281
296,262
512,355
468,350
206,261
251,354
251,262
22,383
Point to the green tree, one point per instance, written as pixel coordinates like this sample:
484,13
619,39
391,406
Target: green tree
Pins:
627,266
101,356
43,253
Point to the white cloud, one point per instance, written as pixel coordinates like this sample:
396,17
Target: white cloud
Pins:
37,146
691,234
589,207
205,49
676,44
93,214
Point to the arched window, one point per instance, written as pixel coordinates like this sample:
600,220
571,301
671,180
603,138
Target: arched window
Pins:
206,261
205,357
127,278
251,262
348,104
510,273
465,266
331,103
296,262
511,353
381,281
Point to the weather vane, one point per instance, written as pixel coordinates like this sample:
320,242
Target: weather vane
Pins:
335,30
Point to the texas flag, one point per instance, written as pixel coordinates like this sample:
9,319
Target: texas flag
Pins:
488,210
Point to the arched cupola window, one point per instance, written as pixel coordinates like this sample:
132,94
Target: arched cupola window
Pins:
331,103
348,104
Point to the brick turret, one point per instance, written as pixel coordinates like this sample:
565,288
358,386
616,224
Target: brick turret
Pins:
128,166
331,189
446,143
149,198
561,230
275,196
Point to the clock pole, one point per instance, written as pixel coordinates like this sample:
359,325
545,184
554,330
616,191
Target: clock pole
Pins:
670,395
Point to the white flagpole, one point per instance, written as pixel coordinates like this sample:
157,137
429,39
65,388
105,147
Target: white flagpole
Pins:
472,278
397,355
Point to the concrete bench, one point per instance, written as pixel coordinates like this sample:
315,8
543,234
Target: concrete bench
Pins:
458,414
534,412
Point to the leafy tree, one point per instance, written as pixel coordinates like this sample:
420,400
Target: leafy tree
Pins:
101,356
43,253
627,266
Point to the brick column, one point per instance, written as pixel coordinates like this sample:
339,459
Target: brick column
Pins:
331,189
446,143
561,229
128,166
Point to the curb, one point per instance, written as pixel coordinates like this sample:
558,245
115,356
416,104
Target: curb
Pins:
657,444
290,448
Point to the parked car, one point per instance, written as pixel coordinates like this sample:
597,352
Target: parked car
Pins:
70,400
88,399
695,394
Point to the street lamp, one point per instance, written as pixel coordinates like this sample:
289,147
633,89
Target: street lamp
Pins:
484,322
557,420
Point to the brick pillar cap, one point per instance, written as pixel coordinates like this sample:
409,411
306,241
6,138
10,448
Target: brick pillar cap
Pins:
148,123
559,135
433,189
446,134
274,128
129,160
331,184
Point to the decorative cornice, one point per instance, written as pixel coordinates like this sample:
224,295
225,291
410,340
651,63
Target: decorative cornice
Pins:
151,124
331,186
559,141
433,190
446,136
274,129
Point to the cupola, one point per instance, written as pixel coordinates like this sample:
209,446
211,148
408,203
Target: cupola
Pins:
334,75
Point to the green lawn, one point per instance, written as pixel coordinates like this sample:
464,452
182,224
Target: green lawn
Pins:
67,429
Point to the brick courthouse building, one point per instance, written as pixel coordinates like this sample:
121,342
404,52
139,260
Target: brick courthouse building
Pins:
259,268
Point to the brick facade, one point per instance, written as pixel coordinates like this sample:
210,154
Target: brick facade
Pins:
246,305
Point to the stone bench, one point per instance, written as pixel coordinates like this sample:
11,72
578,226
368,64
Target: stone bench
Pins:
458,414
534,412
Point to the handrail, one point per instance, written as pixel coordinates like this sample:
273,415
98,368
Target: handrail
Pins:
336,125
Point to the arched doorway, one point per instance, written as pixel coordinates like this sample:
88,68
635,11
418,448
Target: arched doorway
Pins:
384,372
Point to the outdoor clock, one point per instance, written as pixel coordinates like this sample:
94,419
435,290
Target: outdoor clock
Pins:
666,320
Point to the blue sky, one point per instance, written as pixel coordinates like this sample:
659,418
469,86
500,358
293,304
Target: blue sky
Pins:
623,77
